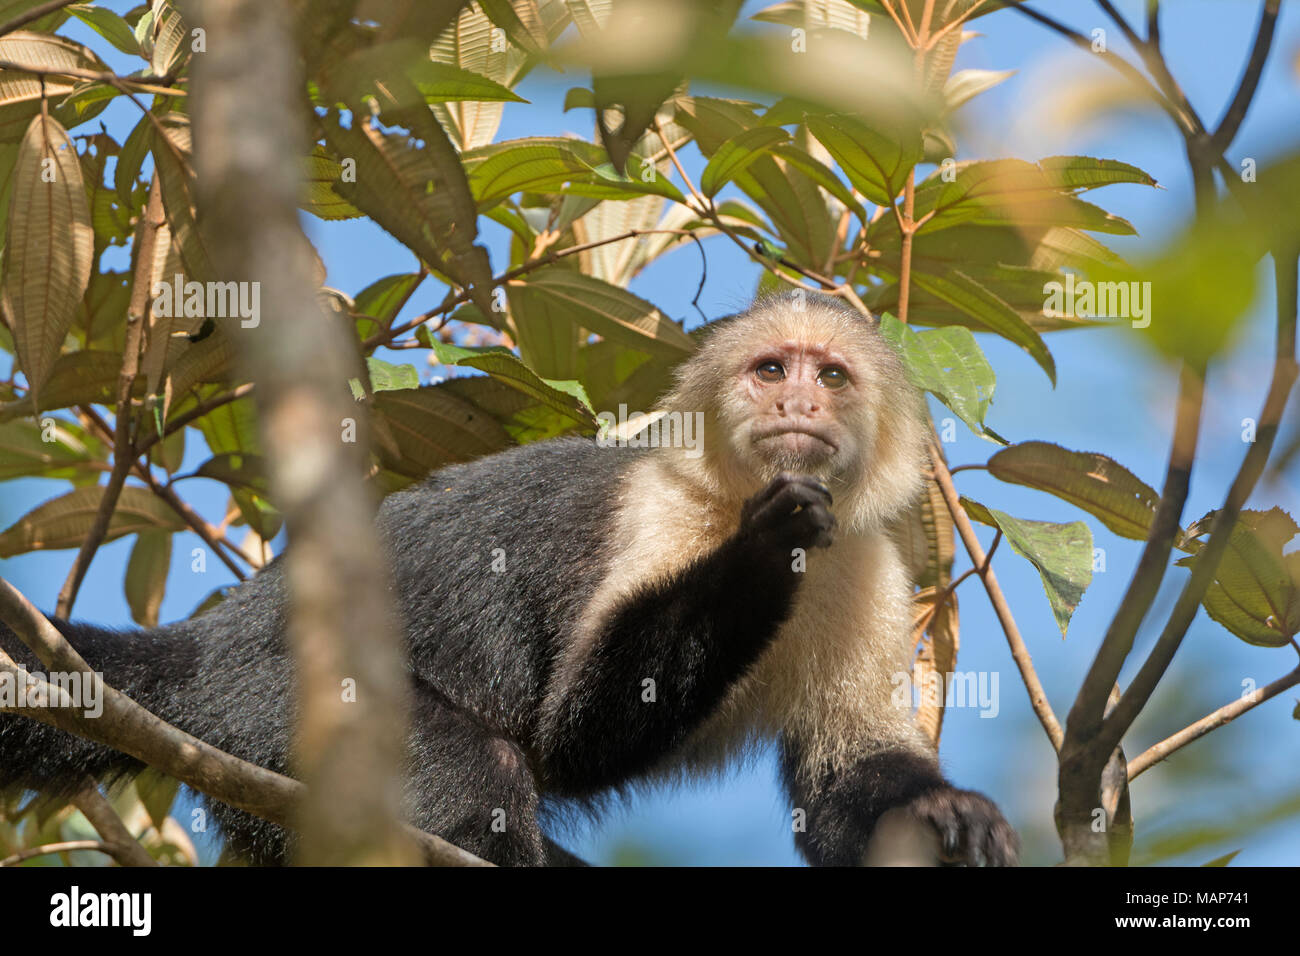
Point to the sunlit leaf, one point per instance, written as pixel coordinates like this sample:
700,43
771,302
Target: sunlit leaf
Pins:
1062,553
146,575
49,245
64,521
1099,485
949,364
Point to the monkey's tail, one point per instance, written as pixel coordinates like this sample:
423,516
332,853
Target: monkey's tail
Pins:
151,667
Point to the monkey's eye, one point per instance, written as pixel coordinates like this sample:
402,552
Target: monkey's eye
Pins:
770,372
832,376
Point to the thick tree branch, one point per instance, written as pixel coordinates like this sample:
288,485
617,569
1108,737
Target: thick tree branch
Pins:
249,130
118,841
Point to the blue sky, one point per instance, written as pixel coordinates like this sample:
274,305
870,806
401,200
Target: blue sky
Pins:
1112,396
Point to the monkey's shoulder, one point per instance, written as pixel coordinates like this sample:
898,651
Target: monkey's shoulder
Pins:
545,477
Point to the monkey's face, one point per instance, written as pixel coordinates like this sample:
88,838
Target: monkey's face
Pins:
798,396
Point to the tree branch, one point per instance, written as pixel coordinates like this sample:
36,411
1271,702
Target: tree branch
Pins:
49,849
1019,651
123,453
1236,111
127,727
1212,721
118,841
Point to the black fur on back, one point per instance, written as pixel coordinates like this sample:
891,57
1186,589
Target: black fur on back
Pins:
481,642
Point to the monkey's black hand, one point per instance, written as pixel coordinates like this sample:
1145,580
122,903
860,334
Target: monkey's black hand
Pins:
971,829
793,511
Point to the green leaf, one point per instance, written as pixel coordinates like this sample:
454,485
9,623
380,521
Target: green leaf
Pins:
236,469
820,174
68,455
963,292
146,575
1256,589
77,378
64,521
380,301
949,364
432,427
735,155
556,296
1062,553
524,418
108,25
566,397
536,164
877,164
1022,194
321,172
446,83
964,85
21,93
172,160
126,173
157,793
385,377
1099,485
1088,172
49,248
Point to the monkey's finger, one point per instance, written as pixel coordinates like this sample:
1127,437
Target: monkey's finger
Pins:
788,478
790,499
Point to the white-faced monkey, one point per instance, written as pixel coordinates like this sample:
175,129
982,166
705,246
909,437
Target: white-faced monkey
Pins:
659,610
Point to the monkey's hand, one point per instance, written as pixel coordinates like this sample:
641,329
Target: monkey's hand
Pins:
793,511
971,829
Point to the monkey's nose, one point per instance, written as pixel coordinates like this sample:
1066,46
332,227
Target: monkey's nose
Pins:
798,406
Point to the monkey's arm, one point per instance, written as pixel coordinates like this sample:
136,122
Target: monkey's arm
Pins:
693,635
842,807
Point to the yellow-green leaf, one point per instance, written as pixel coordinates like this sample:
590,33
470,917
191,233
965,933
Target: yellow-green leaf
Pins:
49,247
1099,485
64,521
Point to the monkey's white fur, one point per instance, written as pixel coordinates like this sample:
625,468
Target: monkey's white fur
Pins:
827,677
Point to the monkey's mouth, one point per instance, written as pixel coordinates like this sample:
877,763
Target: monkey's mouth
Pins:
796,442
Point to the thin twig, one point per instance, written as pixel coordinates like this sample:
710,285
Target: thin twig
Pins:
49,849
1236,111
454,299
123,452
1212,721
123,83
1090,704
210,535
1019,651
195,413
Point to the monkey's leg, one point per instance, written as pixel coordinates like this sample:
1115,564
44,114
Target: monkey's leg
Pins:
471,785
842,808
668,652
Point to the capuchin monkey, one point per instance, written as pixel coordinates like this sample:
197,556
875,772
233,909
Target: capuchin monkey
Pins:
661,610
